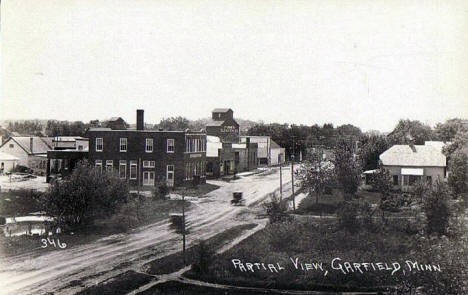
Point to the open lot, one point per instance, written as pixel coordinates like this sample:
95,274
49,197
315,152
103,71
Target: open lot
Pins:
17,181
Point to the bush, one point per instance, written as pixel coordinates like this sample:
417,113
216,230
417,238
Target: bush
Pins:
204,257
318,208
283,237
437,209
276,210
347,215
86,195
161,190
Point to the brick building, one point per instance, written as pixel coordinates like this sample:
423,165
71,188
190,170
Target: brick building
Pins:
144,157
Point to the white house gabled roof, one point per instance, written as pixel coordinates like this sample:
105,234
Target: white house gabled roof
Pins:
403,155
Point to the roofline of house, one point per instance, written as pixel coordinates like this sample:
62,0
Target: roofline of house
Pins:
20,145
427,166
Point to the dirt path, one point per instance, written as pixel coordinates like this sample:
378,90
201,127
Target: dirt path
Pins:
107,257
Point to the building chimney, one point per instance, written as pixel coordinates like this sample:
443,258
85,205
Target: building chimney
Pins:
31,144
140,120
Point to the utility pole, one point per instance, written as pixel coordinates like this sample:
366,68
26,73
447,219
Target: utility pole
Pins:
281,182
183,225
292,173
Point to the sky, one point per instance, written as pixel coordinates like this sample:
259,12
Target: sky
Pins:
366,63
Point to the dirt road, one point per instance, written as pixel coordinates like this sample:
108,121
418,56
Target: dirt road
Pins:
92,263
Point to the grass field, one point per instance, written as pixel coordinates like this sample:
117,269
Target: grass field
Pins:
321,241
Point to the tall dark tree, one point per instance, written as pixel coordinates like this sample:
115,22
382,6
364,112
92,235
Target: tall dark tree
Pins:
347,168
371,146
458,176
437,209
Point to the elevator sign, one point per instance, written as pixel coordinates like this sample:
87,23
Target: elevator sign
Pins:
229,129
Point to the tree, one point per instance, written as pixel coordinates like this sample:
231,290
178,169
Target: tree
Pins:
347,169
382,183
459,144
315,174
27,127
86,195
174,123
65,128
408,131
437,209
448,130
371,147
458,177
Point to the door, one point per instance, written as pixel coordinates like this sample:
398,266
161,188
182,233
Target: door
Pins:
148,178
170,175
227,167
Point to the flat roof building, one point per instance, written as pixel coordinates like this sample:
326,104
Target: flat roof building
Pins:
144,157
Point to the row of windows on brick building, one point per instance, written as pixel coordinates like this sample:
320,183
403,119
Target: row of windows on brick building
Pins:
191,145
191,169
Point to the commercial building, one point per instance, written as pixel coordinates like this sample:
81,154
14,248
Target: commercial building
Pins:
269,152
70,143
226,154
144,157
411,163
224,158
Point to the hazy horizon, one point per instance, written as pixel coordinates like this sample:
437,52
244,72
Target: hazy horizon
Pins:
366,63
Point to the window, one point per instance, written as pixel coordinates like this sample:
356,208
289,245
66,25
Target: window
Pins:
170,175
97,164
109,165
123,169
149,145
405,179
413,179
133,169
99,144
429,179
80,147
123,144
148,164
11,145
170,145
395,179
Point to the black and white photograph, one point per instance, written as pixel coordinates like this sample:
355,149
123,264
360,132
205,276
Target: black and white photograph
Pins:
234,147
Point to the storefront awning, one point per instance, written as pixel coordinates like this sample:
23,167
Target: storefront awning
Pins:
412,171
